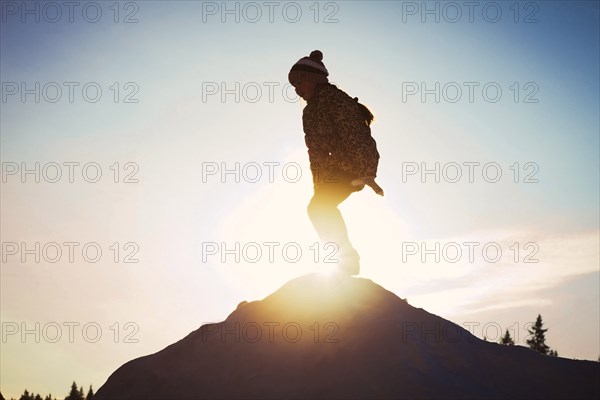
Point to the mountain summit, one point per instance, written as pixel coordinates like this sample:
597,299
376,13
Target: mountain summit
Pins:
322,337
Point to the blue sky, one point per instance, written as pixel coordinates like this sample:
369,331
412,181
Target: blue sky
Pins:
373,51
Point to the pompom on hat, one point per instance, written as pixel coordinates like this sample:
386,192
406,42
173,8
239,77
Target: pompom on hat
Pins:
309,68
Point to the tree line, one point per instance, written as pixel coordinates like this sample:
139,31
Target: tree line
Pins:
75,394
537,341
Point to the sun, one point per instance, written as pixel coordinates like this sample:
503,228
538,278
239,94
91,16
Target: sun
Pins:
268,239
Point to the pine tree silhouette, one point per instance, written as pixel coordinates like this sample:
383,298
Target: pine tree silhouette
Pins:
507,339
26,396
75,393
538,339
90,394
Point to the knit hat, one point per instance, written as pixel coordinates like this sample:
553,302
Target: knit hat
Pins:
309,68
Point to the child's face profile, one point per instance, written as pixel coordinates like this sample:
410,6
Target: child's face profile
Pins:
305,89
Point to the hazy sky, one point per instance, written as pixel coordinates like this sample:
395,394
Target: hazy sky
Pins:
166,133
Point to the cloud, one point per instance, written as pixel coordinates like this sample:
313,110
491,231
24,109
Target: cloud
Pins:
531,263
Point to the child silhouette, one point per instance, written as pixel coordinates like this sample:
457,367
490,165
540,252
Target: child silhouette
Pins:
342,153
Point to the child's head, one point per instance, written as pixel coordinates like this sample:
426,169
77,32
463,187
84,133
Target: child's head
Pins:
309,69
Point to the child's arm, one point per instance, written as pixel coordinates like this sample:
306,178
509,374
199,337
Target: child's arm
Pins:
348,121
350,125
